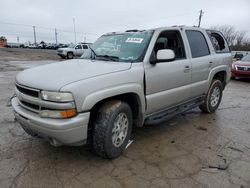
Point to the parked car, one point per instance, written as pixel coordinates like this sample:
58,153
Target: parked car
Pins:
241,68
73,50
125,79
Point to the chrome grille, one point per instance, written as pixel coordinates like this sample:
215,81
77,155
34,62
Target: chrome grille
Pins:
30,99
243,68
22,93
28,91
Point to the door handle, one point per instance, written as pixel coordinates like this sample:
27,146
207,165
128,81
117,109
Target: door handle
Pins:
186,68
210,64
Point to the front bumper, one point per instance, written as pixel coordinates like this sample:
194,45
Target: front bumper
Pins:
237,73
72,131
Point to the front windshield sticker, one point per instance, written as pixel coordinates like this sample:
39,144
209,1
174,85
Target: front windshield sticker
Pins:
135,40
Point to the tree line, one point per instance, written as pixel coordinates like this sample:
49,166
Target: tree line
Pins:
237,40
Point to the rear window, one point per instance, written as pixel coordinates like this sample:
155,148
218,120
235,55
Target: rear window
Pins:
197,43
218,41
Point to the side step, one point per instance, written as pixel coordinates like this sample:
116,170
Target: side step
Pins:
168,113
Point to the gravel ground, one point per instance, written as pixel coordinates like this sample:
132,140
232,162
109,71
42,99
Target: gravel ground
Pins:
191,150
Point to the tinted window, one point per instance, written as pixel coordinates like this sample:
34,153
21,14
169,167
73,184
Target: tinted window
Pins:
197,43
84,46
218,41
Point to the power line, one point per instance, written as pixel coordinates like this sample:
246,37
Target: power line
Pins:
47,28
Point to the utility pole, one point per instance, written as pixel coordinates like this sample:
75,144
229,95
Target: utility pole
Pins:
74,29
17,40
56,35
34,29
200,16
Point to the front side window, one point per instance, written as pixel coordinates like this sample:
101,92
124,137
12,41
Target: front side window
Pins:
122,47
78,47
170,40
197,43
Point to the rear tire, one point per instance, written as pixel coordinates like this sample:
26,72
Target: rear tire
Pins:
213,97
112,129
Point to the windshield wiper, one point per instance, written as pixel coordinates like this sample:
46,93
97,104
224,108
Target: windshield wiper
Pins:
110,57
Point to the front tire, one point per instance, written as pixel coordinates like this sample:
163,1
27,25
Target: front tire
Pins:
112,129
213,97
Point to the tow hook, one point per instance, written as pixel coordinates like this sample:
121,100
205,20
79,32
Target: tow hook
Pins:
8,104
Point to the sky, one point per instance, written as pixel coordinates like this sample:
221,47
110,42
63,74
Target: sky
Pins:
96,17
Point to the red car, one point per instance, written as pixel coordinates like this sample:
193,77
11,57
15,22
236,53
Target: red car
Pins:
241,69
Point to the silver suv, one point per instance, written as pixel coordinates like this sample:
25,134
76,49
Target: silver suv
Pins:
124,79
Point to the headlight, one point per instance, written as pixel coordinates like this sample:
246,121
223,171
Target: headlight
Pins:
58,113
234,67
57,96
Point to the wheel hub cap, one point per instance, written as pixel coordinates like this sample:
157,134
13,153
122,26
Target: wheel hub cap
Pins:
120,129
215,96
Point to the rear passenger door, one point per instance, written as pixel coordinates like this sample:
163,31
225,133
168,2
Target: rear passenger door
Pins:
85,48
201,61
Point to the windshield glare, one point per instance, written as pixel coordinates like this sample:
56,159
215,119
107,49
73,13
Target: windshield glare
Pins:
246,58
126,47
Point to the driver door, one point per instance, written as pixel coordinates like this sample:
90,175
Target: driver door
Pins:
167,83
78,50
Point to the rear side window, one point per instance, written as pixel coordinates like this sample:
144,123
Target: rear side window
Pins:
218,41
85,46
197,43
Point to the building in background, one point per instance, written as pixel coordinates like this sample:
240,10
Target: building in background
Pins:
3,41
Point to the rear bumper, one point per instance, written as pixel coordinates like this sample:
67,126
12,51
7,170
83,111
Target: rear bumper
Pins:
72,131
236,73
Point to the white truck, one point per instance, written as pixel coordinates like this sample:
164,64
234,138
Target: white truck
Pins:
73,50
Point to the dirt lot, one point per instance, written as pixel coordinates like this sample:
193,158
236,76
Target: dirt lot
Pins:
191,150
23,54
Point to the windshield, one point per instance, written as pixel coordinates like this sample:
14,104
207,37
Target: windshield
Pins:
123,47
71,46
246,58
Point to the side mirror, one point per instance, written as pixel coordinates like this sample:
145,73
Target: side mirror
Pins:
164,55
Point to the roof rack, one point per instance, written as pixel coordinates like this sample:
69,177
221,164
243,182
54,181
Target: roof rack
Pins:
132,30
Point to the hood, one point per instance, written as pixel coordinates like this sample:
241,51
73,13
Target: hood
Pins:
243,63
56,75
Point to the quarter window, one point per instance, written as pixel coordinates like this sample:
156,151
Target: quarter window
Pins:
197,43
218,41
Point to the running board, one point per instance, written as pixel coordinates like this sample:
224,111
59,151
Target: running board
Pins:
166,114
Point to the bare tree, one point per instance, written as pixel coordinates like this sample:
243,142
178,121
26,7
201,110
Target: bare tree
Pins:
240,37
